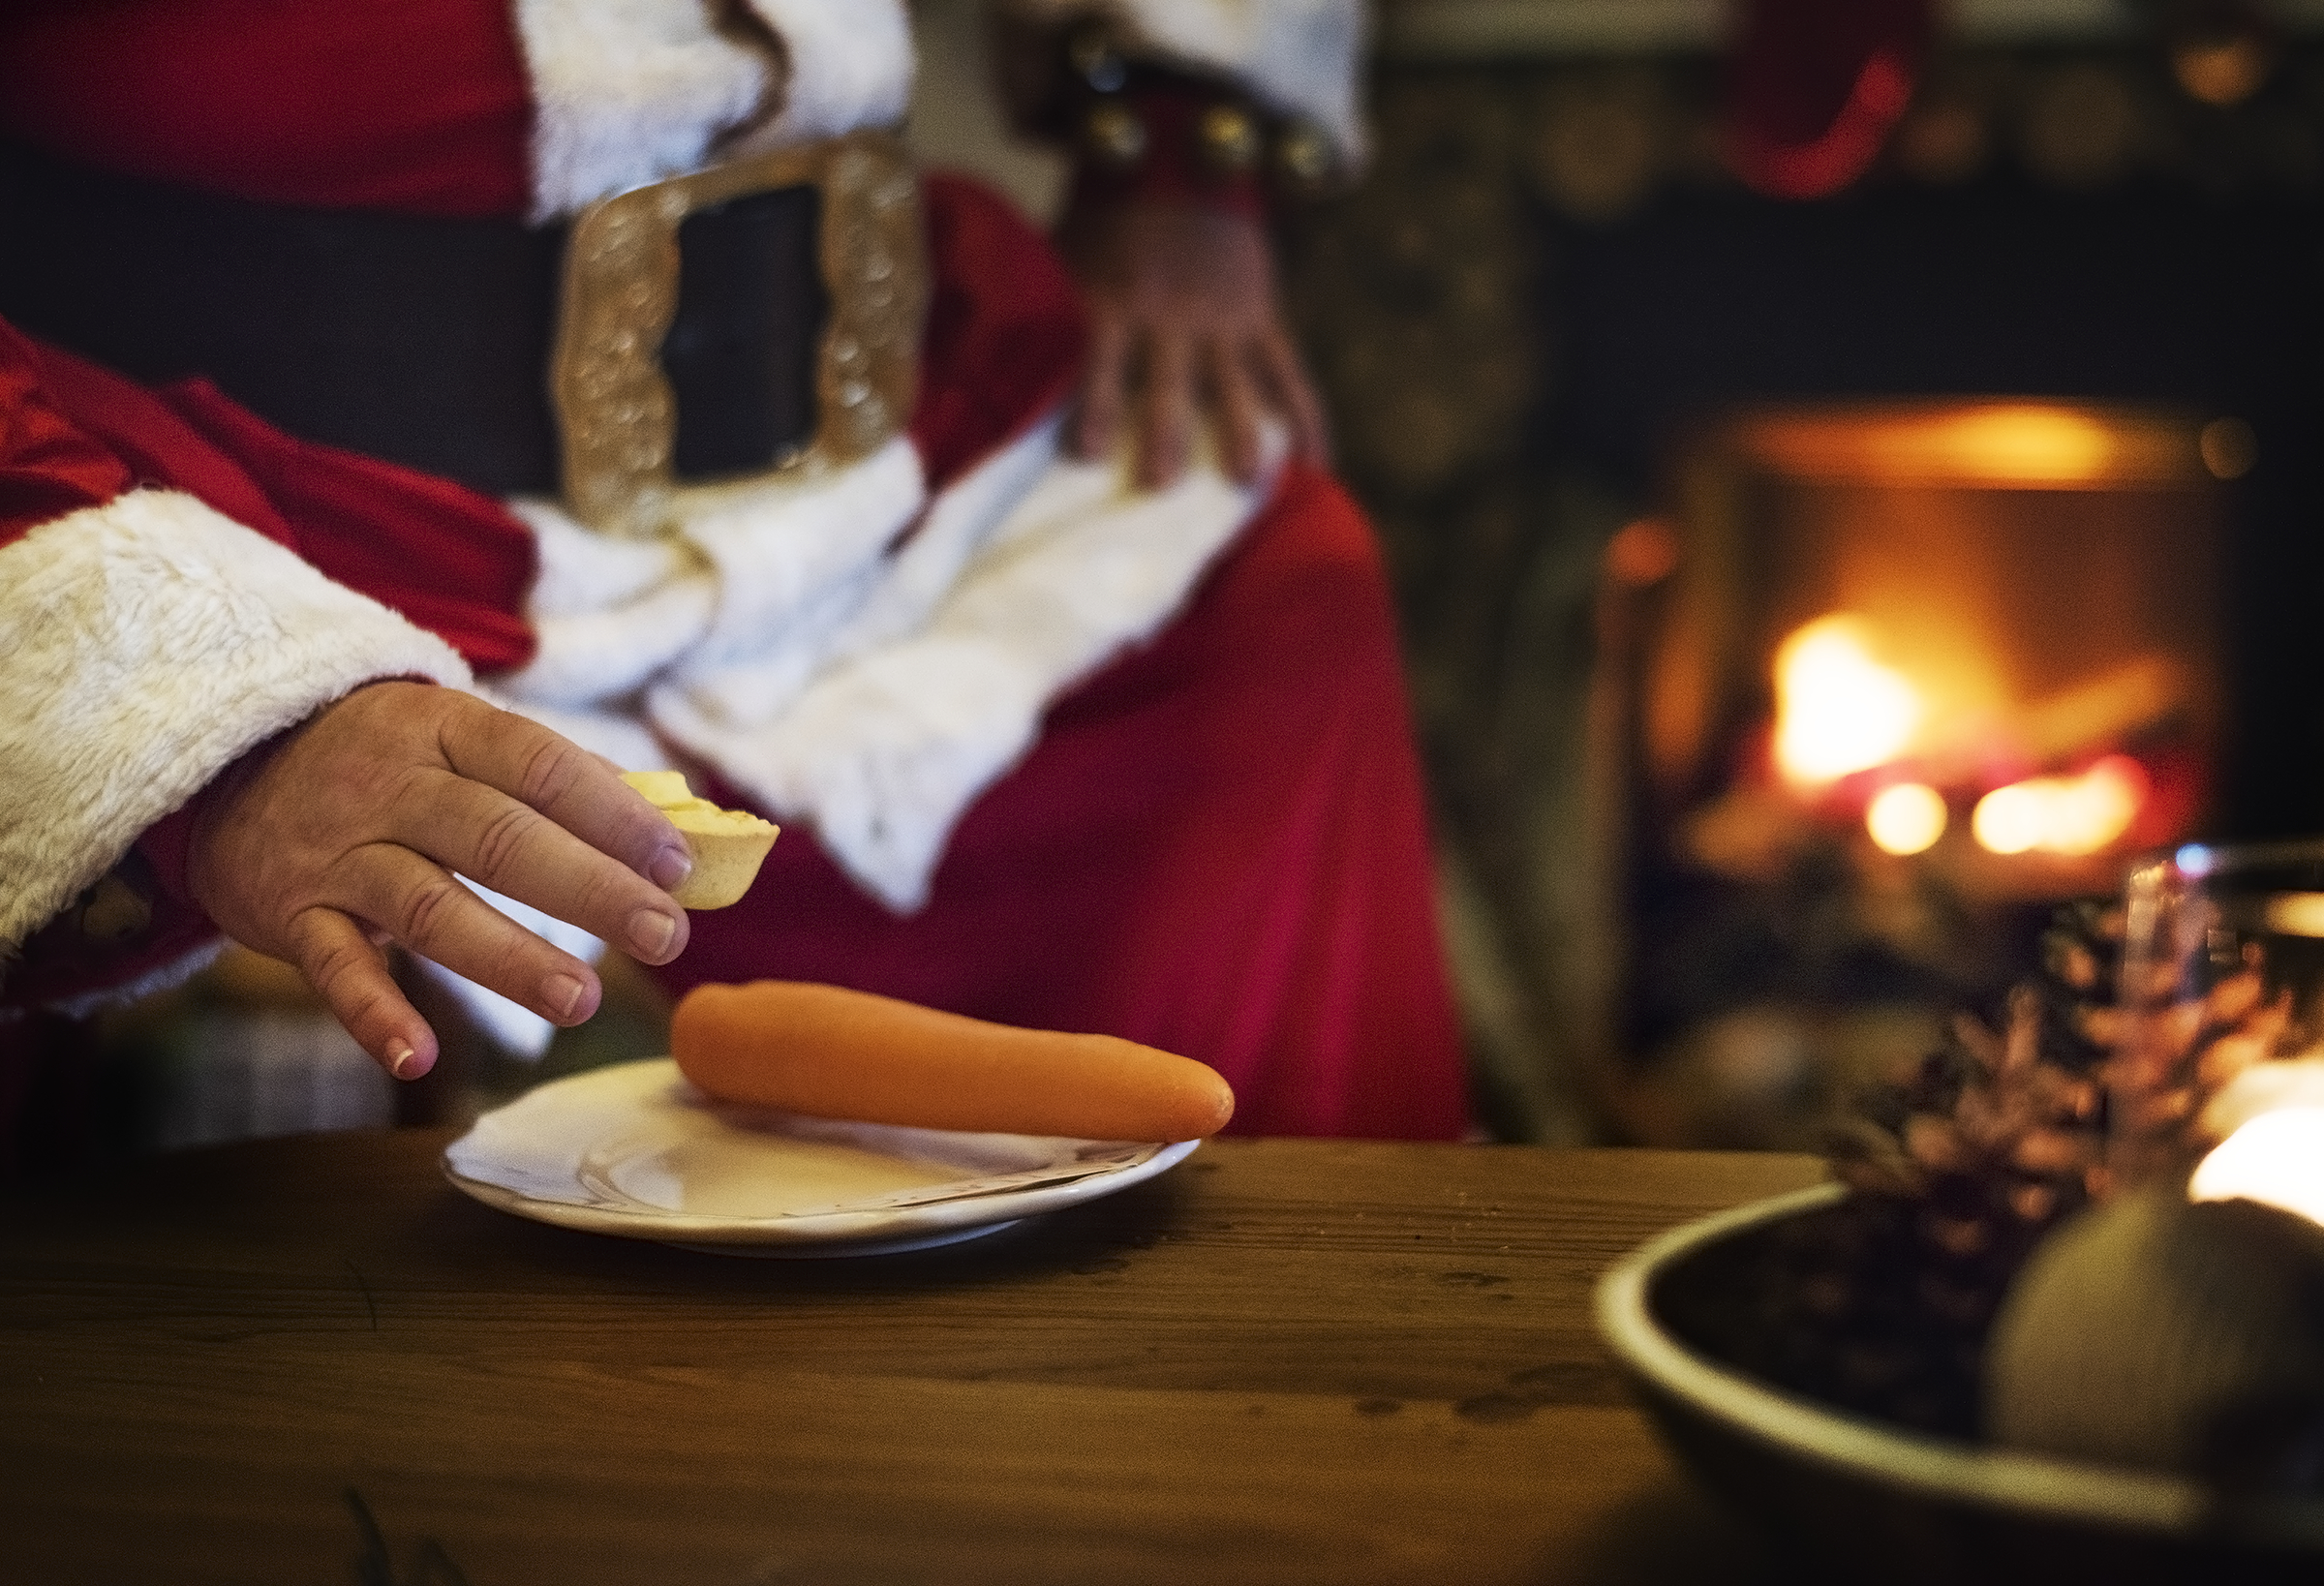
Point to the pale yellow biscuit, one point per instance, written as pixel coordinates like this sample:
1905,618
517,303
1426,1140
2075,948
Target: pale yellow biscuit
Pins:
728,844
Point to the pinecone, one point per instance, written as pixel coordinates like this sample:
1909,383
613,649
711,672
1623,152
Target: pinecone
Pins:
1997,1136
1961,1166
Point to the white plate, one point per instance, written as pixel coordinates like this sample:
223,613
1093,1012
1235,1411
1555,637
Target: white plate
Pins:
635,1151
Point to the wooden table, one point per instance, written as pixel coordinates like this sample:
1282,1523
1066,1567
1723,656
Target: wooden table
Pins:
1282,1361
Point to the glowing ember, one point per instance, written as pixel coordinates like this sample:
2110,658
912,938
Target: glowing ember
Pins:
1907,818
2008,819
2072,816
1838,710
2276,1159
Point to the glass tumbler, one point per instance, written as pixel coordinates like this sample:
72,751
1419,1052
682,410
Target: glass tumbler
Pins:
2219,1074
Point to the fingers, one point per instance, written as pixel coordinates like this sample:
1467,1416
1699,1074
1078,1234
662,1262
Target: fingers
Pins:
527,813
1239,378
1239,413
1286,376
427,909
575,788
1103,390
1169,411
516,850
339,960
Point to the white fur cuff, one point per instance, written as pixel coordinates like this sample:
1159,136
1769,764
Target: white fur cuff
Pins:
144,645
631,91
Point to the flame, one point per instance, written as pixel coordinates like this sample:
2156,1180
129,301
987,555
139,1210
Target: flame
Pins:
1906,819
1838,709
2072,816
2276,1159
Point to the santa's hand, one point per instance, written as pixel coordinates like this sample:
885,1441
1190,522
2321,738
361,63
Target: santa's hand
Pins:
345,833
1182,316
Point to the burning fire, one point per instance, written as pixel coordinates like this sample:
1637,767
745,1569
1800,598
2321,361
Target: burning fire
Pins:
2072,815
1907,818
1839,708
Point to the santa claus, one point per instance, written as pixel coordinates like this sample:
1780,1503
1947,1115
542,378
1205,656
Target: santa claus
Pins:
409,411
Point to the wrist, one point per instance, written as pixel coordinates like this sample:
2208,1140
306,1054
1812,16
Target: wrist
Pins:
1145,133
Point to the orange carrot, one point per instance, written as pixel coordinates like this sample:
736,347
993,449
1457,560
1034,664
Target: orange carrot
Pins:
834,1054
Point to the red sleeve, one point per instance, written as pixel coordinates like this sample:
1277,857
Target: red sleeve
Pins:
75,437
49,465
454,561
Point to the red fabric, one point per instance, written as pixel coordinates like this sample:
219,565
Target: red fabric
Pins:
1219,847
1816,85
1005,334
455,563
420,106
49,465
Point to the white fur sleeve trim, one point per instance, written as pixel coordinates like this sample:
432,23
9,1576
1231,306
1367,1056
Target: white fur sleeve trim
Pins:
886,748
631,91
1299,56
144,645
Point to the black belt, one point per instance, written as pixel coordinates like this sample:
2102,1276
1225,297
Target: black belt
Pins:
421,340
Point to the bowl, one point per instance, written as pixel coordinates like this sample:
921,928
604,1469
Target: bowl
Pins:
1874,1500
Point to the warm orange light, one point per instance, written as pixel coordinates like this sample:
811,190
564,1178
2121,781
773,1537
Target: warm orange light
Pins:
1838,709
2051,444
2072,816
2221,71
2095,809
2008,819
2276,1159
1642,552
1906,819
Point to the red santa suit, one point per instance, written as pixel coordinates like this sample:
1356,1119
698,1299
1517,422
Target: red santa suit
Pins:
1054,751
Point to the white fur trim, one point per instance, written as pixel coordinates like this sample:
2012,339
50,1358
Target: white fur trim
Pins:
148,643
583,571
1299,56
762,572
885,749
853,603
606,613
787,551
958,524
871,690
631,91
628,91
851,66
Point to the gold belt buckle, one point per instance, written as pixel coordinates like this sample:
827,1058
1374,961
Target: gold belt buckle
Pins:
616,417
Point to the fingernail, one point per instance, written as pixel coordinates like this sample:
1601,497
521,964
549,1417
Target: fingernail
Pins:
399,1057
669,868
651,930
562,992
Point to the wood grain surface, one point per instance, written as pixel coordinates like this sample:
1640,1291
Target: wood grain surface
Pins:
1282,1361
